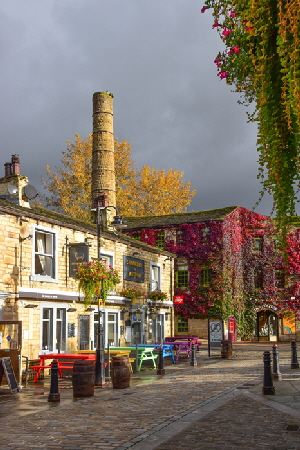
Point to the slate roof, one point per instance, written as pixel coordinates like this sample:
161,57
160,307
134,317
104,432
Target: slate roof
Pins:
178,218
53,217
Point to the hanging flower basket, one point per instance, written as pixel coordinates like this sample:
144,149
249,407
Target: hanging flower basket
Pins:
133,293
96,279
157,295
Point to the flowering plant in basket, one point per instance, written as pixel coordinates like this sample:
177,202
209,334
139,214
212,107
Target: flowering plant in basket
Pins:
157,295
96,279
133,293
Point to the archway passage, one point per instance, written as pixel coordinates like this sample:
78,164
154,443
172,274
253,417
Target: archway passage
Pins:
267,326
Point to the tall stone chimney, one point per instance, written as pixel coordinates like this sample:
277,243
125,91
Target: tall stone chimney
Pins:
103,154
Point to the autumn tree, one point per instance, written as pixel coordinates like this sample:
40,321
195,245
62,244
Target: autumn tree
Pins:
139,192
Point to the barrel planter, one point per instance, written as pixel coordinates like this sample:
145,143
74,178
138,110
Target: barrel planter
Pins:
120,372
83,378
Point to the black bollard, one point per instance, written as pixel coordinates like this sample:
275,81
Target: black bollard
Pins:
276,370
193,361
54,395
294,363
160,368
268,388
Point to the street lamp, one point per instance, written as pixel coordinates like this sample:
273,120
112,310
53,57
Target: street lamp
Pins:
117,223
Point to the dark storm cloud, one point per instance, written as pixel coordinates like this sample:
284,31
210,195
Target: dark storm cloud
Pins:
157,59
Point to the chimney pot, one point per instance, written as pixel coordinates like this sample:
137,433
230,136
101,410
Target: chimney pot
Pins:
15,161
7,166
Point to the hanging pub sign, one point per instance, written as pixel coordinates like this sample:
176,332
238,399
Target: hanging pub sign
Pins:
178,300
134,269
78,253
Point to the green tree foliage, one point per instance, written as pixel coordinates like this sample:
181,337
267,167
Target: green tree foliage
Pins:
139,192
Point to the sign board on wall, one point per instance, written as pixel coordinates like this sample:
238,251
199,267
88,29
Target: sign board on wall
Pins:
134,269
178,300
215,332
78,253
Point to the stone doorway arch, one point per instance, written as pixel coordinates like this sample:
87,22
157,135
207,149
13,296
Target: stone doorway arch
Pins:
267,325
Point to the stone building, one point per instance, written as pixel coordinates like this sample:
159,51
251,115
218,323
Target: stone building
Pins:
41,309
228,263
38,251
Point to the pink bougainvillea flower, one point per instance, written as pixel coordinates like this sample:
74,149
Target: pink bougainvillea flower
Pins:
226,32
232,14
216,24
203,9
218,62
249,28
235,49
223,75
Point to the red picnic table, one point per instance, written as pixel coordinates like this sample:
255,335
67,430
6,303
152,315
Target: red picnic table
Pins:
62,364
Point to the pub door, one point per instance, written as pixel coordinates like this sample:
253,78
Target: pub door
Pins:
267,325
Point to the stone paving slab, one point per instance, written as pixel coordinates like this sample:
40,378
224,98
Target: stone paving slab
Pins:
149,410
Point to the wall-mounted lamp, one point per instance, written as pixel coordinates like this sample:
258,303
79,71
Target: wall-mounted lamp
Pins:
90,309
71,309
153,314
30,305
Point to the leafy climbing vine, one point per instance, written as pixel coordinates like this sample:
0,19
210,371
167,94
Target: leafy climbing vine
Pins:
262,60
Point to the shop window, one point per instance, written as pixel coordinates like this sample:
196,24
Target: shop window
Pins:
179,237
279,279
205,276
44,267
257,245
258,279
182,277
155,273
160,239
205,234
182,324
54,330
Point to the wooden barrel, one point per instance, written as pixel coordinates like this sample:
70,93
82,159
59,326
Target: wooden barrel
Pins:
120,372
83,378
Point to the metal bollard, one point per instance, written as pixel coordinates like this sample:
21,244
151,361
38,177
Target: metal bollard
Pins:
160,368
276,370
193,361
294,363
54,395
268,388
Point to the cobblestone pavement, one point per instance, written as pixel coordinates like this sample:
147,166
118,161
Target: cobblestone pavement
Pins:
217,404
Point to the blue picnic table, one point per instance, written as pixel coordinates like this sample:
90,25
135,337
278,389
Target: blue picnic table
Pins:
167,349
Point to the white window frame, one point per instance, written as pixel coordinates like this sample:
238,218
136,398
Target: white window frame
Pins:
34,276
152,281
54,307
105,315
107,256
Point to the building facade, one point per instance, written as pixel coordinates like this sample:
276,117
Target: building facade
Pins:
40,250
228,263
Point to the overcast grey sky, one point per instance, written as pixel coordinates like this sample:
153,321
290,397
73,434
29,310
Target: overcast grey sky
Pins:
156,57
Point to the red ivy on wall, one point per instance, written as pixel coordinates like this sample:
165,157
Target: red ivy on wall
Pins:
227,249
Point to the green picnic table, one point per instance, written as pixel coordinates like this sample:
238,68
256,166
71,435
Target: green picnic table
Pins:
142,354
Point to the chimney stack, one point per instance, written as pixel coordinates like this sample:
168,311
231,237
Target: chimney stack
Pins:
103,153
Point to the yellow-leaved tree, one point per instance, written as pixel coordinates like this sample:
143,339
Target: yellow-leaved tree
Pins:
139,192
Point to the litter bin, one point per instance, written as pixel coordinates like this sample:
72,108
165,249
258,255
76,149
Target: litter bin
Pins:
226,349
